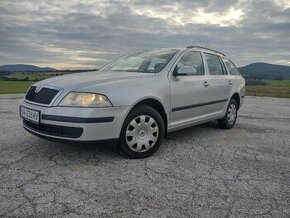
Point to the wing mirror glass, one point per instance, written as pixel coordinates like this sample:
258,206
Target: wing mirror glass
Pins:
185,71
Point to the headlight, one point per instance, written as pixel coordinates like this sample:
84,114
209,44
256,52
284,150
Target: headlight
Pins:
81,99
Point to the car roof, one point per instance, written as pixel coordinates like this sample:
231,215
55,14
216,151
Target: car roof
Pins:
194,48
204,49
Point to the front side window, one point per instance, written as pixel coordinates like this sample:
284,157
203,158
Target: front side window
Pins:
192,59
143,62
231,67
214,64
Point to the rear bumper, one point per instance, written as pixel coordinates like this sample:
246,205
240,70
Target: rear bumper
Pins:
77,124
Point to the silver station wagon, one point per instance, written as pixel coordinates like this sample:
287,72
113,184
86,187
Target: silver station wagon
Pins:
137,99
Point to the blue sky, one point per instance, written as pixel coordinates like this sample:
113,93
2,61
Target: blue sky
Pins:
88,33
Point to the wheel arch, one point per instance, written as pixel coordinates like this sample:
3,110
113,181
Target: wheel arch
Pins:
237,98
154,103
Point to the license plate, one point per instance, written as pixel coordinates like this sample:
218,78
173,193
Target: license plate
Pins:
29,114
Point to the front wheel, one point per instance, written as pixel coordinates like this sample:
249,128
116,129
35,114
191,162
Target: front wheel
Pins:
230,118
142,132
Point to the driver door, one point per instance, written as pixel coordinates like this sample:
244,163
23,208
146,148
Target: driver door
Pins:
189,92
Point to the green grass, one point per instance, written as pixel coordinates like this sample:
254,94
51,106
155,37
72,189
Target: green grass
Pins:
268,91
14,87
275,88
31,76
278,83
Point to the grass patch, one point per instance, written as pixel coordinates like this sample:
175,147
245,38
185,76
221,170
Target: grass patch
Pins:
31,76
268,91
14,87
278,83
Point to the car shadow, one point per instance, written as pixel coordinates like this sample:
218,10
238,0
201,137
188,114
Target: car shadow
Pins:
108,149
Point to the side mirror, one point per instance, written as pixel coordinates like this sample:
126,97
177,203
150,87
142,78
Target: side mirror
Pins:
185,71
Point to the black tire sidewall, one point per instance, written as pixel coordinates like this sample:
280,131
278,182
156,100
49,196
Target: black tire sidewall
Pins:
141,110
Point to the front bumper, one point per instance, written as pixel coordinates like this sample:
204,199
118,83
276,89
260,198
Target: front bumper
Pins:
77,124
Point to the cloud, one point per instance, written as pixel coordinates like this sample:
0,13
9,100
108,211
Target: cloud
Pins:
181,14
83,33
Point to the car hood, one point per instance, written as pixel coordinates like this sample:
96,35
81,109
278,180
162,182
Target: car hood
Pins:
81,80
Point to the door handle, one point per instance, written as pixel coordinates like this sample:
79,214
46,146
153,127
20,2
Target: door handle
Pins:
205,84
230,82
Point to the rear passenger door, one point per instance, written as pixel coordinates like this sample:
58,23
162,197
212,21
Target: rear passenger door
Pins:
218,82
235,77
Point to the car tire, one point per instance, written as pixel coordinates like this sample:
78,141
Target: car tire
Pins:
230,118
142,132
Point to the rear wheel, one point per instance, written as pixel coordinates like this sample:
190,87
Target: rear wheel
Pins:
142,132
229,120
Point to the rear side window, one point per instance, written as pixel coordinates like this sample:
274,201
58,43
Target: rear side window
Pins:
214,64
231,67
192,59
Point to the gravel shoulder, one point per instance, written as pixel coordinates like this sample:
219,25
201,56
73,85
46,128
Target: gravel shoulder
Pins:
201,171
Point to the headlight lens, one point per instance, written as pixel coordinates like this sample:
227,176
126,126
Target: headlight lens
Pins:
80,99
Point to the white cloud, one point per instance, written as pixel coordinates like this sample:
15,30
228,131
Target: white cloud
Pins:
175,16
283,3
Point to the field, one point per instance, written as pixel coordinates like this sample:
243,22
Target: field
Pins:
18,82
279,83
268,91
274,88
32,76
14,87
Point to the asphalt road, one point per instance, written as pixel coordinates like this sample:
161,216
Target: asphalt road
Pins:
201,171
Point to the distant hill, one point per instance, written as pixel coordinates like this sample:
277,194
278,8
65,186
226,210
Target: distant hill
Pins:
24,67
265,71
251,71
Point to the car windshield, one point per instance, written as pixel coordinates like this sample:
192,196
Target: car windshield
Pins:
142,62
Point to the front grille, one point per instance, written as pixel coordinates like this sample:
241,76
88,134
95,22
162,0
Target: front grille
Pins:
44,96
53,130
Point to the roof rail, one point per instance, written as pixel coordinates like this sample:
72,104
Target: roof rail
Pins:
209,49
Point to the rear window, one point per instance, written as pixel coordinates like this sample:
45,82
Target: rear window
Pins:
231,67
